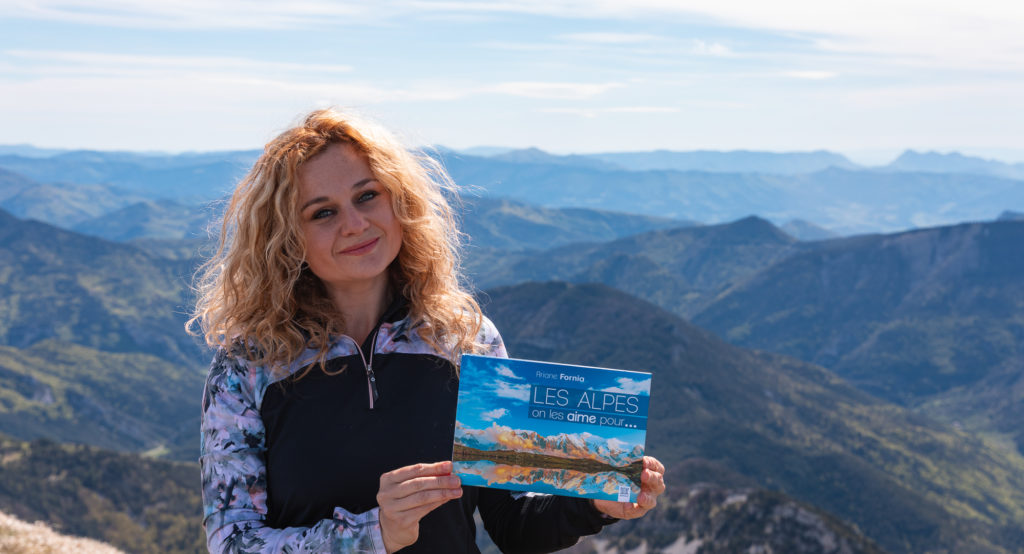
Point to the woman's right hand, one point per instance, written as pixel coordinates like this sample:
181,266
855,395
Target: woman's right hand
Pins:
409,493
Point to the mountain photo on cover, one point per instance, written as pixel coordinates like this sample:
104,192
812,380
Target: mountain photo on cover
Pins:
551,428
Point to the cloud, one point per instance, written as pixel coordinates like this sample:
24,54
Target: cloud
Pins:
196,14
812,75
610,38
641,109
704,48
616,444
517,392
298,79
560,91
64,61
493,414
946,33
594,112
631,386
504,371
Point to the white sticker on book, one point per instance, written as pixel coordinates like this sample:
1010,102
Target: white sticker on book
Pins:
623,493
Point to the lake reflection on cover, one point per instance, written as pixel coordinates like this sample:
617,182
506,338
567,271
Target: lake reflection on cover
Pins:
604,485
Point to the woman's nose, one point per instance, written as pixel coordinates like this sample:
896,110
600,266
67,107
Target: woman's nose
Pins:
353,222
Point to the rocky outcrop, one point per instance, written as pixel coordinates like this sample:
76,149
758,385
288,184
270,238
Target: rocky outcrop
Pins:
707,519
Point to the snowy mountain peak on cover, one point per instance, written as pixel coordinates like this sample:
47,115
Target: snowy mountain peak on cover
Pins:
584,445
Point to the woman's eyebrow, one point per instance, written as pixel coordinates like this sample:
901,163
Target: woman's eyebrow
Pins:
363,182
318,199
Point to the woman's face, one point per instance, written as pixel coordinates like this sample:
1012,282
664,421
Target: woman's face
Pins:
348,226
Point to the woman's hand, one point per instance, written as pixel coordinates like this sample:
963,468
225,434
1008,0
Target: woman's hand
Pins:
409,493
652,484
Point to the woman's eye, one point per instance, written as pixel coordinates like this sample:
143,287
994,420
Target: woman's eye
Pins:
366,196
322,213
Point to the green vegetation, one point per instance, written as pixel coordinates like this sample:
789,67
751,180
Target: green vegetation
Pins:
933,317
133,503
680,269
94,346
94,352
507,225
129,402
113,297
909,483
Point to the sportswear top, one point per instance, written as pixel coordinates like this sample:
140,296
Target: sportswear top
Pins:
293,464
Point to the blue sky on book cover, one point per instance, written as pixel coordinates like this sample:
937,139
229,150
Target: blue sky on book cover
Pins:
551,428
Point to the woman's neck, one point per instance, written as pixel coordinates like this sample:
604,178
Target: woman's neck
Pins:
361,307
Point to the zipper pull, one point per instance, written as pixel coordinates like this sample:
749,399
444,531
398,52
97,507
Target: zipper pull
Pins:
371,382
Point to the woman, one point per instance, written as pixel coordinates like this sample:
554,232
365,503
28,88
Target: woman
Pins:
335,305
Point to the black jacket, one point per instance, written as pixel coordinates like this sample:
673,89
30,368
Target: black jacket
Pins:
299,463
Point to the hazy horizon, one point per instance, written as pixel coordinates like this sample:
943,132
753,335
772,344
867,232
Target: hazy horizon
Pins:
867,158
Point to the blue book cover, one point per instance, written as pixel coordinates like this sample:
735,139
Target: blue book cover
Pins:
551,428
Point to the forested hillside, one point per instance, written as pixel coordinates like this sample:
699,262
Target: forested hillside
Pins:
880,410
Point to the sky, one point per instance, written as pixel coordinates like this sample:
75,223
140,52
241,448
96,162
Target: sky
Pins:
494,391
866,78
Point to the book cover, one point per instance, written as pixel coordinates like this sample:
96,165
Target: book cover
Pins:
551,428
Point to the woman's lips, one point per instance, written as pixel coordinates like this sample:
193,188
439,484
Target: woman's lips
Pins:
360,248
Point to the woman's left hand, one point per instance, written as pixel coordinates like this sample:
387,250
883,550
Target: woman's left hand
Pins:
652,484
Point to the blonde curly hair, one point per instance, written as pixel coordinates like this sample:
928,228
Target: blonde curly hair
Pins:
257,290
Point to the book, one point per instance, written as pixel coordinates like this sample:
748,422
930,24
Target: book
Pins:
551,428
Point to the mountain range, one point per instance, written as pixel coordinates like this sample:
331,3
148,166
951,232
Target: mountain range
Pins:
822,188
57,284
907,482
680,269
842,200
909,440
915,317
954,162
563,445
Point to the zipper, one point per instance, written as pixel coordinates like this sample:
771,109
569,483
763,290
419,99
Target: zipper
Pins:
371,378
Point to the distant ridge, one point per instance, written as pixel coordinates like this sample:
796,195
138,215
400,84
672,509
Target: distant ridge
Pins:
846,201
954,162
734,161
191,176
153,219
535,155
822,187
884,310
511,225
12,183
805,230
680,269
29,151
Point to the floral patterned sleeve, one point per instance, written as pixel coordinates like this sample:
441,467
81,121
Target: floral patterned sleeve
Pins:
491,340
234,475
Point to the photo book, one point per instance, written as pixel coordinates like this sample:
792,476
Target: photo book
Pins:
551,428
